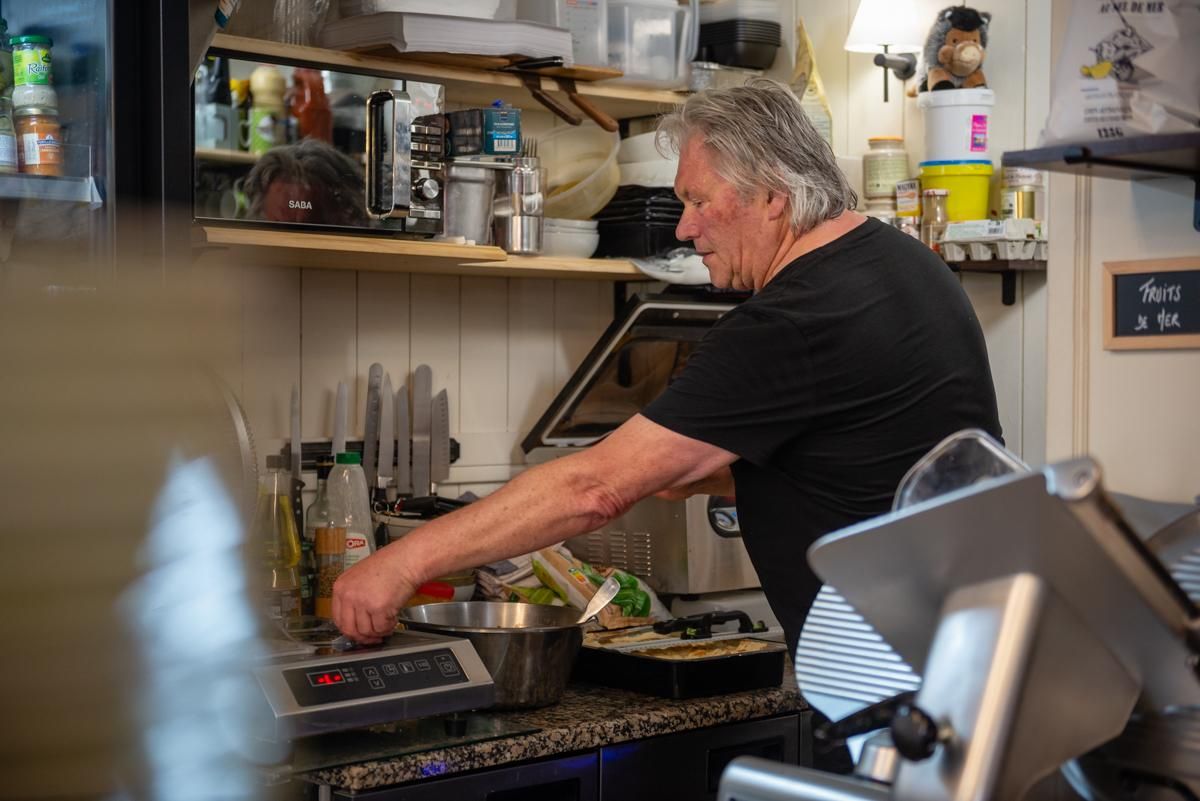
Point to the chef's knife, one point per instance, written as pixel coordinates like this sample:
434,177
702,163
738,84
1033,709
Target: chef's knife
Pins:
421,401
339,420
403,459
371,425
387,419
295,446
439,444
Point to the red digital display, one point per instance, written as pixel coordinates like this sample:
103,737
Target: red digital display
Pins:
326,678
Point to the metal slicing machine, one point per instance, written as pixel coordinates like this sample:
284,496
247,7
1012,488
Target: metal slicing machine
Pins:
1048,636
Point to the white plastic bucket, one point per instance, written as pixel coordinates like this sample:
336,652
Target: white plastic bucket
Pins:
957,124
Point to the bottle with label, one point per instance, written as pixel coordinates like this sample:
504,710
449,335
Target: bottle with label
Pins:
309,105
268,119
6,62
351,506
330,549
318,516
884,165
8,138
274,536
239,91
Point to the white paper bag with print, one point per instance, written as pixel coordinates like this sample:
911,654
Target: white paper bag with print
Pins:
1127,68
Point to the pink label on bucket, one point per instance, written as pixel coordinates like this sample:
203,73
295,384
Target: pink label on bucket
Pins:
978,133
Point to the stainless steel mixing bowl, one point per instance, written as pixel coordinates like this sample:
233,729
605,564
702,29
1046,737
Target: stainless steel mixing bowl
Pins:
528,648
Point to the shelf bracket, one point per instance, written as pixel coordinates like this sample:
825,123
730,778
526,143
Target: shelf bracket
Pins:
1008,288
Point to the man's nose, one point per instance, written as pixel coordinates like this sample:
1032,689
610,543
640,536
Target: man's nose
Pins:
687,229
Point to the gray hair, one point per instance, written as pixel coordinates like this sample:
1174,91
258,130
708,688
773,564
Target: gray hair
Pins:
763,140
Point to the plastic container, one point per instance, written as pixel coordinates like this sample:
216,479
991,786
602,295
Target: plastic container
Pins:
967,182
956,123
587,20
351,506
722,10
268,120
652,41
636,239
582,171
884,165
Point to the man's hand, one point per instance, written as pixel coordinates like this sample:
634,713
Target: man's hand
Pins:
368,596
719,483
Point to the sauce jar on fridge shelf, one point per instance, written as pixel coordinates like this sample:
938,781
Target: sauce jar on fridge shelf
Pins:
8,138
39,140
33,80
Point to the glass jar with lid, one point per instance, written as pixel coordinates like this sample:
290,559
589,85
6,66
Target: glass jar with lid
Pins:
8,138
934,217
6,62
33,78
39,140
884,165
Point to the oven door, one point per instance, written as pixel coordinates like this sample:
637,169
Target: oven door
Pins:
287,146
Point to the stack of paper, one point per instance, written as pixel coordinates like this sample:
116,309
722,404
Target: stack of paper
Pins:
432,33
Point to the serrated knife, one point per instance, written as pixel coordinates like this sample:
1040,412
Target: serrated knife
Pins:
421,401
439,439
371,425
339,421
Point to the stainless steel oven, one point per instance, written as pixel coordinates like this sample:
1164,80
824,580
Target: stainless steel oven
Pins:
692,546
307,148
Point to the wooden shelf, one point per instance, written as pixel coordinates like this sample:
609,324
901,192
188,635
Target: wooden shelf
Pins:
226,156
464,85
1136,157
381,254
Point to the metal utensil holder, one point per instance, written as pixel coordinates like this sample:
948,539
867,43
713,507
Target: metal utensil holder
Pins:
519,207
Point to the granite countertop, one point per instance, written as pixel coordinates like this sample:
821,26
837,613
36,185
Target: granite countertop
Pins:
588,717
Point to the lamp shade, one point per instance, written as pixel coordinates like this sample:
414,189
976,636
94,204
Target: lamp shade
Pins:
894,23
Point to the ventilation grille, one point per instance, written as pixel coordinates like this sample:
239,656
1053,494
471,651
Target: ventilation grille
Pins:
624,550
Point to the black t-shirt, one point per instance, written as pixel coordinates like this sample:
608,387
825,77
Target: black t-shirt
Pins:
829,383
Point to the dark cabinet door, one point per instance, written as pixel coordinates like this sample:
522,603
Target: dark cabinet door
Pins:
573,778
688,765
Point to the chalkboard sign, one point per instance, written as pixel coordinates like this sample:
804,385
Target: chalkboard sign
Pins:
1152,304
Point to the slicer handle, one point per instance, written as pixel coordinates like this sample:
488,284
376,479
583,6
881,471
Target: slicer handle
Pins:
914,732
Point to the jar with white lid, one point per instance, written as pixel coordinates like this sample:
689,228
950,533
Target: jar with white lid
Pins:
1022,194
885,164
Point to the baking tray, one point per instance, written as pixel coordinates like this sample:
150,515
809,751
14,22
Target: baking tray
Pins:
631,669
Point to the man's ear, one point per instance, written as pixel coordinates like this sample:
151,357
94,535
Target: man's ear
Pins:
777,205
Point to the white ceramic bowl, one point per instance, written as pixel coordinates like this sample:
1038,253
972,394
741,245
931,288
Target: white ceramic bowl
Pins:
569,245
560,224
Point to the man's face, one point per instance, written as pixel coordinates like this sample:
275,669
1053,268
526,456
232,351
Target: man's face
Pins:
736,236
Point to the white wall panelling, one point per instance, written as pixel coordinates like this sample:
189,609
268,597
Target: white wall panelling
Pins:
328,322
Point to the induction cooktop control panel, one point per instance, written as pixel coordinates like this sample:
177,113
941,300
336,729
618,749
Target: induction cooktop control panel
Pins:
351,680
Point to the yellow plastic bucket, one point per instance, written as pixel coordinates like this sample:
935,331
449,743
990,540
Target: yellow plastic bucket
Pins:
967,182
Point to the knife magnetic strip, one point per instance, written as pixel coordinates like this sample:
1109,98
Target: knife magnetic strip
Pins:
313,452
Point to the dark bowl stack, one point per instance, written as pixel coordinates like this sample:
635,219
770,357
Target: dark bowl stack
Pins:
639,222
747,43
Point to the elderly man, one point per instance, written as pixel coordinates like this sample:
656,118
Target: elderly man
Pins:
857,352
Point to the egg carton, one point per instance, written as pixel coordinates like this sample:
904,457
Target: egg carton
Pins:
987,240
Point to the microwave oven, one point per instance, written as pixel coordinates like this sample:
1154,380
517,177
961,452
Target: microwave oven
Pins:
683,547
324,150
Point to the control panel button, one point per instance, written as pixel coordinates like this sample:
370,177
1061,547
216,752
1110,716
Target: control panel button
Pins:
407,667
371,672
446,665
376,684
422,664
390,670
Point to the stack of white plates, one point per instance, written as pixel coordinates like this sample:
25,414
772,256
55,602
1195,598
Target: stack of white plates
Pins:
569,238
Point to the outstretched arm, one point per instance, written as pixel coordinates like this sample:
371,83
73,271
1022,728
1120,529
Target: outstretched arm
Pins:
544,505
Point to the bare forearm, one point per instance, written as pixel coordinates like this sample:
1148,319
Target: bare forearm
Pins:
542,506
